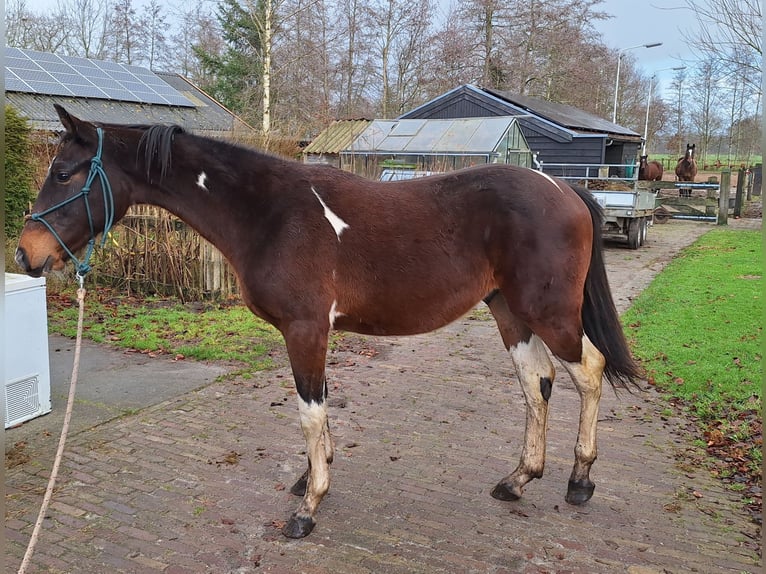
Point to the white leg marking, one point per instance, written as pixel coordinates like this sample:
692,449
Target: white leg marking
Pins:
532,365
201,178
337,223
334,314
586,376
313,418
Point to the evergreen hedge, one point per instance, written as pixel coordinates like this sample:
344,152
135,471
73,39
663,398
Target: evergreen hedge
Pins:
19,169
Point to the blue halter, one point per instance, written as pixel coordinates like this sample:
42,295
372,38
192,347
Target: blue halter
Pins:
96,169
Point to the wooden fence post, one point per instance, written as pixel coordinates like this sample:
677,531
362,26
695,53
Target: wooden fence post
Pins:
723,197
741,177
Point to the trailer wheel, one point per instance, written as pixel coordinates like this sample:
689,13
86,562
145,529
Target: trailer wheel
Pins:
634,234
644,230
661,215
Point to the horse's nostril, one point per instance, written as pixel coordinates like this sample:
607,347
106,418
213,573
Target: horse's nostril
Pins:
21,259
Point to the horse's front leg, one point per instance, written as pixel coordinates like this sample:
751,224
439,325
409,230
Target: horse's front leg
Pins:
307,347
299,486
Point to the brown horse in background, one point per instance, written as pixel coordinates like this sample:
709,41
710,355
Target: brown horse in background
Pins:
686,168
649,170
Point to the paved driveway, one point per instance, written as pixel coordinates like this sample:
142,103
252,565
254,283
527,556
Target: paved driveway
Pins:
196,480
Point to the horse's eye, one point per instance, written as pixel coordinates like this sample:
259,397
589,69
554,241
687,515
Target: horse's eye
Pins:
62,176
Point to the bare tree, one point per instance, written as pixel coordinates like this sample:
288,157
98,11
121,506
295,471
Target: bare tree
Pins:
353,60
403,26
731,32
25,29
707,104
449,63
90,22
154,24
125,37
677,120
196,28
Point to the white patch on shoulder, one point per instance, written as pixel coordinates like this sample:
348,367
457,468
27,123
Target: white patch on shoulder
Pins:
334,314
201,179
337,223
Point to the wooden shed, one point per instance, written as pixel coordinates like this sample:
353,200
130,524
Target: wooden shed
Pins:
558,134
326,148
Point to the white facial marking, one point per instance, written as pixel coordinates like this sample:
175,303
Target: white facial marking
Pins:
337,223
201,178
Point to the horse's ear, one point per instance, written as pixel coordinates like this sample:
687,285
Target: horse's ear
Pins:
75,127
67,120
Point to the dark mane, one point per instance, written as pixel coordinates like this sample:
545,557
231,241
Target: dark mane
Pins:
157,142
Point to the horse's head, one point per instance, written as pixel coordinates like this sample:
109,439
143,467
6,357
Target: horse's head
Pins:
690,151
643,160
74,205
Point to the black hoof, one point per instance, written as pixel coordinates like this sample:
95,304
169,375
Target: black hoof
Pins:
298,526
579,491
504,492
299,488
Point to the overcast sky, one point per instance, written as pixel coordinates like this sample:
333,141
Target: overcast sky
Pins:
637,23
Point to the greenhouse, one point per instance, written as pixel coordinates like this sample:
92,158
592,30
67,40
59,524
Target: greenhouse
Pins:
400,149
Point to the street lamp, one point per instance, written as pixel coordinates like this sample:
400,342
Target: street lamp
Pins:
648,102
617,81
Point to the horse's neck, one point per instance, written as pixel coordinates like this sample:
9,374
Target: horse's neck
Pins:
212,190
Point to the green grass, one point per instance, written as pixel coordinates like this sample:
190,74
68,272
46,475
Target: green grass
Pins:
209,332
698,327
698,331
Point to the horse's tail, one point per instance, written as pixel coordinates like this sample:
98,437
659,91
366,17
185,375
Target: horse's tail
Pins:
601,321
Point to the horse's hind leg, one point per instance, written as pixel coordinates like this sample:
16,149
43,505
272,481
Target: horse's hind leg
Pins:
587,380
536,373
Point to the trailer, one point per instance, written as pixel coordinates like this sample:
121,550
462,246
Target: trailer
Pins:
627,214
628,208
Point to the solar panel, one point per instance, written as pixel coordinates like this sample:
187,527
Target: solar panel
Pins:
49,74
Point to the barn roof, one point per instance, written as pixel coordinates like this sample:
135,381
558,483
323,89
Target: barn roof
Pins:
563,114
561,121
110,93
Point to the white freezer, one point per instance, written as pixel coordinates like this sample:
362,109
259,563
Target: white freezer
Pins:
25,358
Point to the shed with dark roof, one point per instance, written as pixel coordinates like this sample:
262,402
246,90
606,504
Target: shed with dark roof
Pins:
556,133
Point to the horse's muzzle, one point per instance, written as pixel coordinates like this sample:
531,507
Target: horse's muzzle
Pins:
23,261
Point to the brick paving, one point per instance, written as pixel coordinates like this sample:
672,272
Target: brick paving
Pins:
424,427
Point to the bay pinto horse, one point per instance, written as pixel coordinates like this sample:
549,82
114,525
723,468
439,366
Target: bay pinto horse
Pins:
316,249
686,168
649,170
